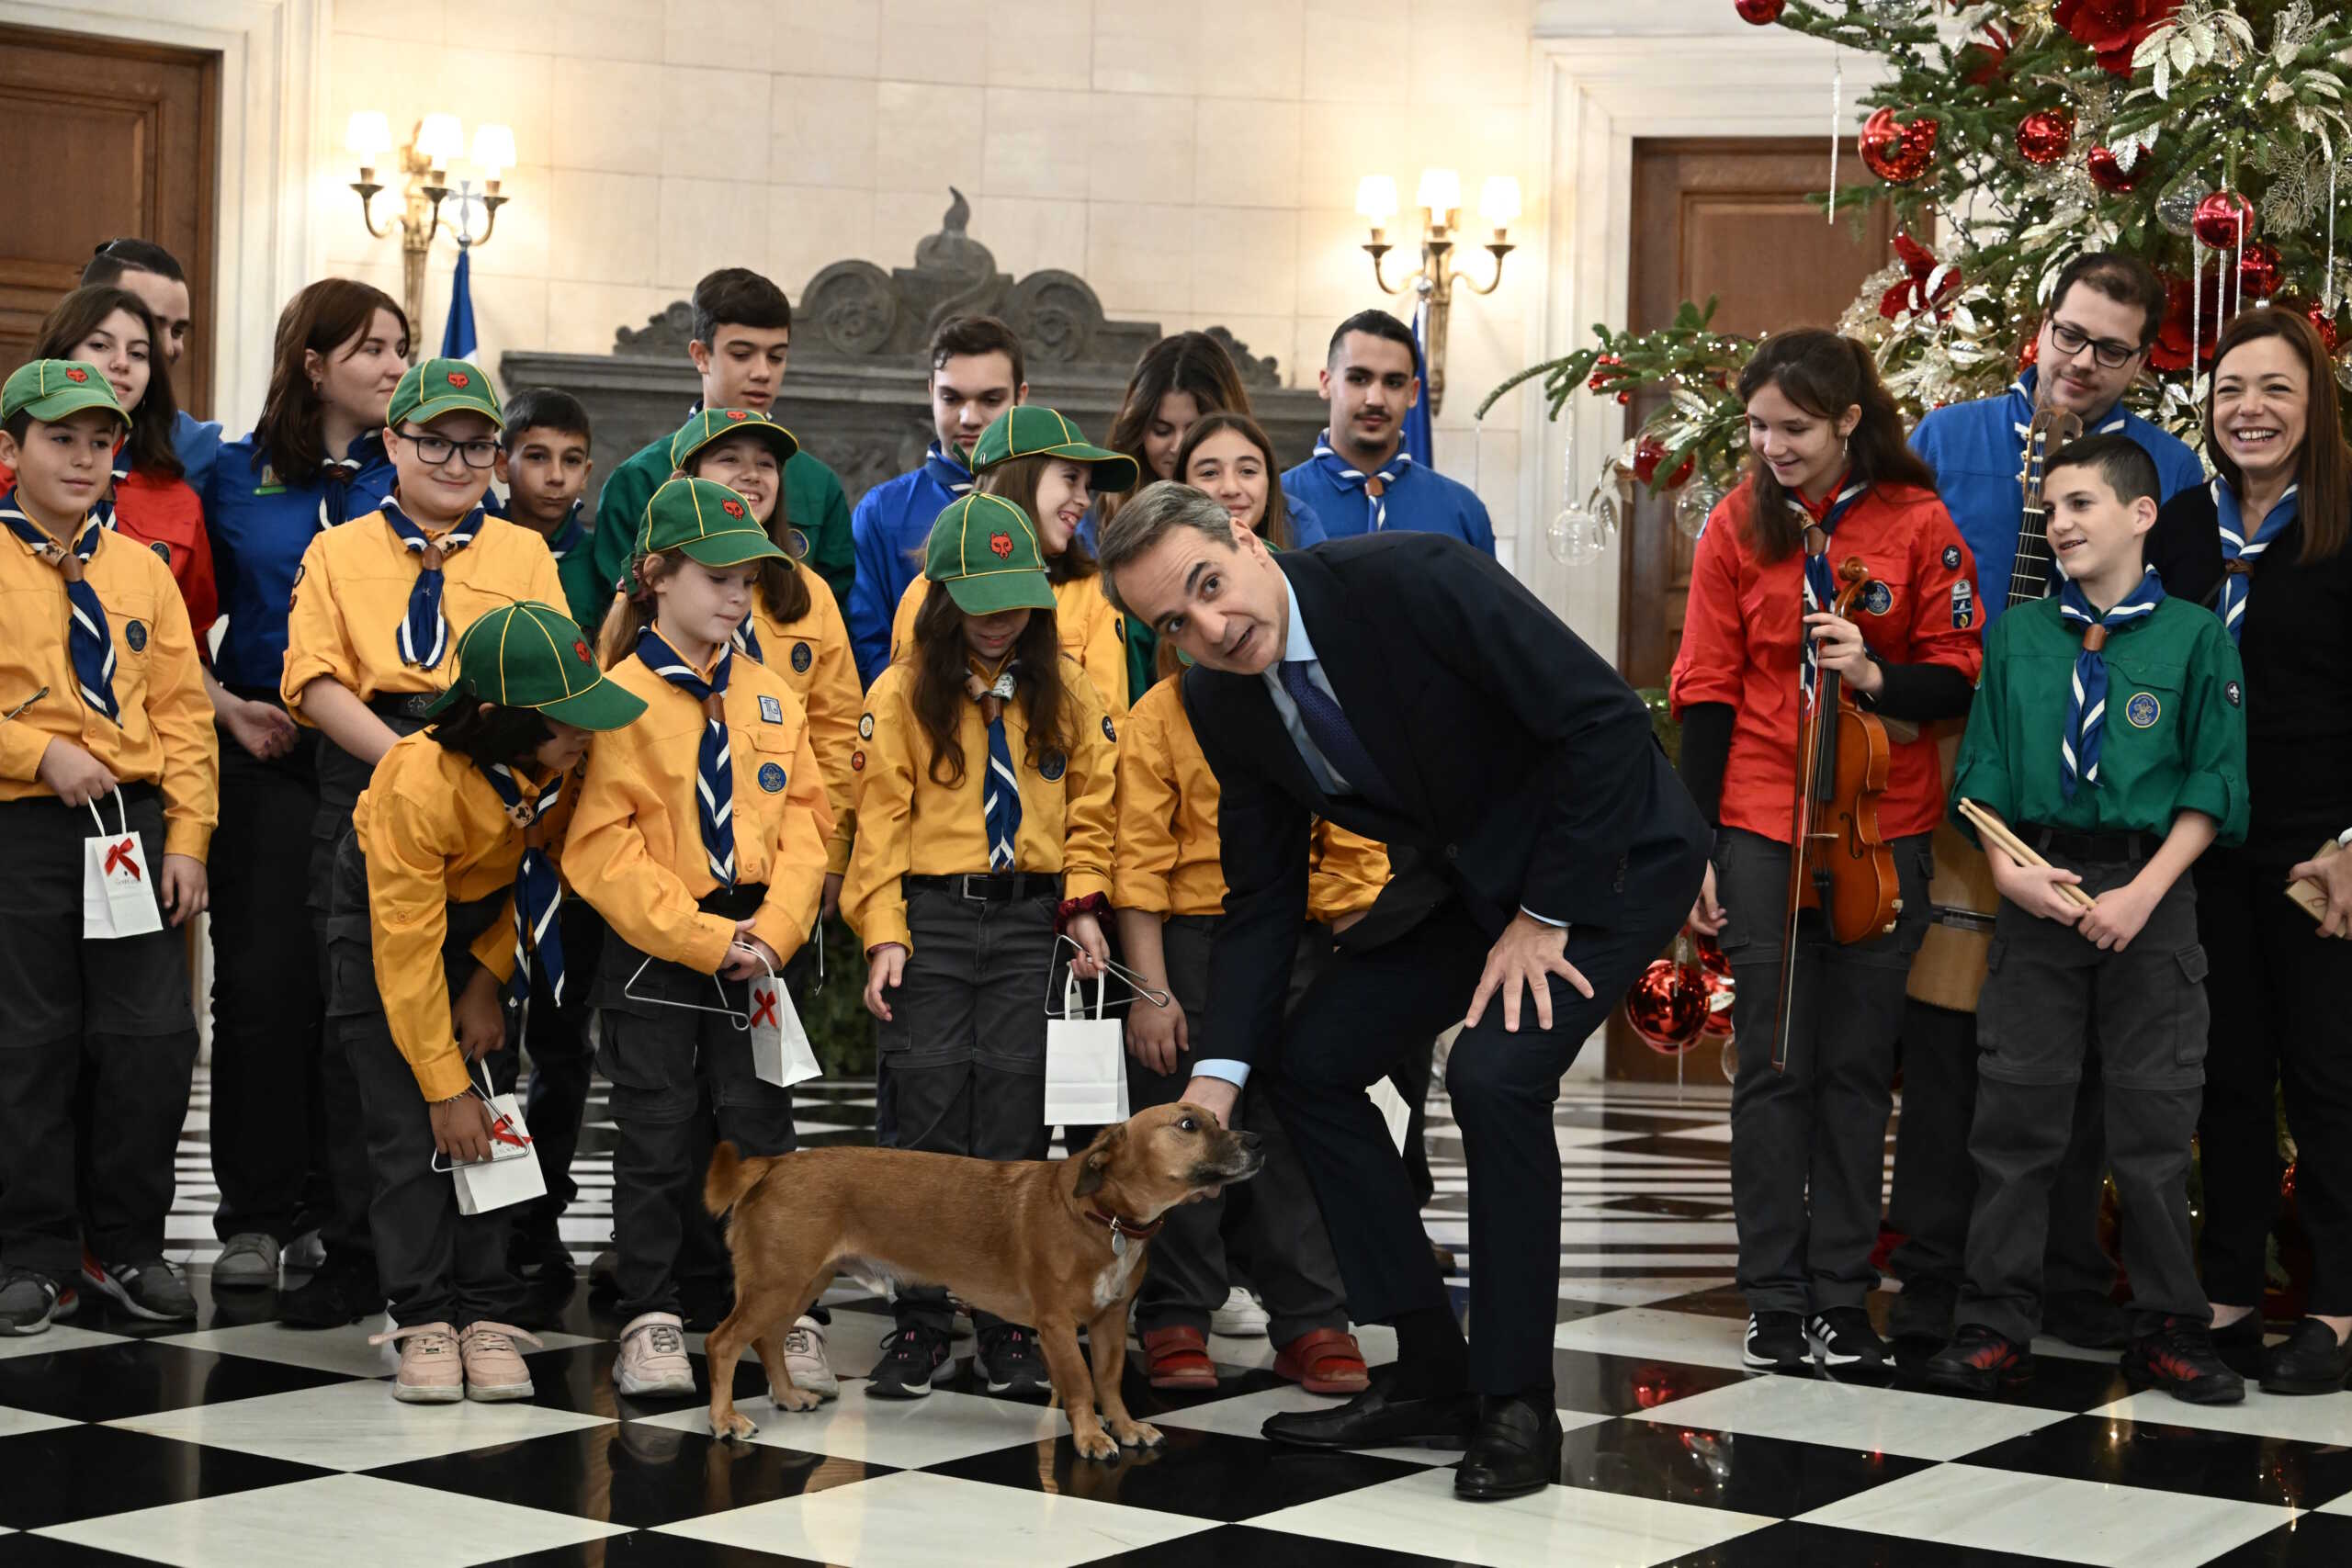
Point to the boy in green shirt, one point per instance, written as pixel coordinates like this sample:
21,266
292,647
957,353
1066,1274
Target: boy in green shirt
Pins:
2109,733
743,336
545,466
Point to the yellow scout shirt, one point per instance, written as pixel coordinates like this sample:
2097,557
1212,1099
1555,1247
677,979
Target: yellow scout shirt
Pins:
351,596
1167,861
910,824
1093,634
635,850
813,656
435,833
165,737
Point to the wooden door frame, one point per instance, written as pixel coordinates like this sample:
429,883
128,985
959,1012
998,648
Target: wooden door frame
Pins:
273,145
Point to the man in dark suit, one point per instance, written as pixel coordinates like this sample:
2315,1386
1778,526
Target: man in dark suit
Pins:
1411,690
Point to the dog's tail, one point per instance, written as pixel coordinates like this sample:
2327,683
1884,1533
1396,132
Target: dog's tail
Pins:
730,1177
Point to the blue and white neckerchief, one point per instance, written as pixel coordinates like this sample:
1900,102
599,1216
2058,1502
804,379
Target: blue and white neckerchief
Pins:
88,641
947,469
539,892
568,534
1001,788
1335,467
747,638
423,632
103,514
714,762
336,475
2239,553
1820,583
2086,706
2022,407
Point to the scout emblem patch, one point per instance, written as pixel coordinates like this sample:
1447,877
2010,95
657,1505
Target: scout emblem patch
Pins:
1878,598
857,761
1108,733
1053,766
771,777
801,658
162,551
1000,546
1963,605
2142,710
1951,558
135,634
2231,692
865,727
771,711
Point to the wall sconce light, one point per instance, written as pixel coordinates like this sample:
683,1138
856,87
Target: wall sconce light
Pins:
1439,195
431,152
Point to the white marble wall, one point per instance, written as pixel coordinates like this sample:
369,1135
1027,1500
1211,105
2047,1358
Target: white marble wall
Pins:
1195,160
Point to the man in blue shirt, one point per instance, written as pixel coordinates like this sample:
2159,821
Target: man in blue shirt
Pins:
1360,480
976,372
2094,342
155,274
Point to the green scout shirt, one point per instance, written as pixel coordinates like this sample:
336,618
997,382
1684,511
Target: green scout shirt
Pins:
812,500
587,598
2174,738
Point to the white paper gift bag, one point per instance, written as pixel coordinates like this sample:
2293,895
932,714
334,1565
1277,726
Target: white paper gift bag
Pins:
781,1054
1393,1110
1086,1063
118,888
511,1175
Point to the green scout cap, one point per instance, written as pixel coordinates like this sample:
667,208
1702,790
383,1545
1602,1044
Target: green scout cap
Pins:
437,387
714,424
706,520
49,390
1027,431
985,549
528,656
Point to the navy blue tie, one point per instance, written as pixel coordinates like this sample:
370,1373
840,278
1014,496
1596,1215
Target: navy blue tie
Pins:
1333,736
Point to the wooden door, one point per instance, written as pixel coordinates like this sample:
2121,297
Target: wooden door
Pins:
1726,218
104,140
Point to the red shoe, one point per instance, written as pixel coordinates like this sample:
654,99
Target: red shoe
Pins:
1178,1358
1324,1360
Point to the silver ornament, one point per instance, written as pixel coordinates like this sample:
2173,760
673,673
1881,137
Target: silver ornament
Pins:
1694,506
2177,208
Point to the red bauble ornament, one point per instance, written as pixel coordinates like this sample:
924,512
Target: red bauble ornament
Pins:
2323,320
2113,29
1624,398
1762,13
1649,455
2224,220
1899,153
1715,978
1982,63
2258,272
2045,135
2031,355
1668,1006
2108,173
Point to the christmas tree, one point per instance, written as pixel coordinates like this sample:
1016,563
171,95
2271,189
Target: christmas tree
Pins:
2206,137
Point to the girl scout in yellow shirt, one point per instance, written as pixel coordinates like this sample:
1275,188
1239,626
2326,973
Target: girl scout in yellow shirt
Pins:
984,827
1043,464
445,900
700,837
795,626
102,707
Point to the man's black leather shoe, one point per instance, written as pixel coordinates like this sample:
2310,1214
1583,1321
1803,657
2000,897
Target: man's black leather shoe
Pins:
2310,1362
1515,1450
1379,1418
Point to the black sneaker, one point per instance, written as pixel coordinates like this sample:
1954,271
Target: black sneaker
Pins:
1979,1360
1009,1361
910,1358
541,1257
2179,1358
1843,1337
1922,1309
338,1294
27,1302
2241,1346
2087,1319
1776,1342
152,1290
2311,1360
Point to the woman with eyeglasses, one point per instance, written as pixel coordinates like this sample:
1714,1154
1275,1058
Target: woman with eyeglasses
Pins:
2269,545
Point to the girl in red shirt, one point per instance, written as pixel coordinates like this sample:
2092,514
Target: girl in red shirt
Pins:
1829,479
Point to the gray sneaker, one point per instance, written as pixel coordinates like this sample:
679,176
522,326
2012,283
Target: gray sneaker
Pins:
27,1302
249,1262
152,1290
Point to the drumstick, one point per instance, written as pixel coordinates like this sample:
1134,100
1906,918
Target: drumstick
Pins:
1997,832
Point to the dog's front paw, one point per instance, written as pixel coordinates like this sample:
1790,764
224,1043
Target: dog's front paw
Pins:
735,1426
794,1398
1137,1434
1095,1443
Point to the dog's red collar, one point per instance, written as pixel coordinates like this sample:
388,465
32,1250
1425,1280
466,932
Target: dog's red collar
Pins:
1119,1225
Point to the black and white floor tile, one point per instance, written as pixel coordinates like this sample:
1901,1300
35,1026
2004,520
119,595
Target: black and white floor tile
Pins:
247,1444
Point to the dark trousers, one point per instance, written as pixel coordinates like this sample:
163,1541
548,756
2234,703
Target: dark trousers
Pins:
2277,989
1808,1141
1316,948
666,1062
1935,1180
555,1035
965,1046
114,1010
1361,1020
437,1265
269,1148
2049,994
1274,1215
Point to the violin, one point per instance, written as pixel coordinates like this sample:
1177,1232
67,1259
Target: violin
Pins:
1840,863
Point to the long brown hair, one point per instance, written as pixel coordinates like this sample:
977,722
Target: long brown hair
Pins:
291,431
1193,363
1274,525
1824,375
634,606
2321,468
942,658
783,584
1016,480
70,324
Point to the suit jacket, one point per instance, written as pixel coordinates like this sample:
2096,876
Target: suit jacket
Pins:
1528,771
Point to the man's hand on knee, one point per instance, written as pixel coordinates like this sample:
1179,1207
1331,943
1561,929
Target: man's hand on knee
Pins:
1527,954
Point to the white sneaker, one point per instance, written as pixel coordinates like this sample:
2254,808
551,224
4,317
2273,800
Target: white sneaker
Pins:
804,1358
1241,1317
653,1358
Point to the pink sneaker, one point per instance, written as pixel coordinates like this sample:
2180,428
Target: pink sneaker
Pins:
495,1369
431,1372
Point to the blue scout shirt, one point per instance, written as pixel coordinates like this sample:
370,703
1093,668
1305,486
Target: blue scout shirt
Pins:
887,533
1978,452
1420,500
197,443
259,530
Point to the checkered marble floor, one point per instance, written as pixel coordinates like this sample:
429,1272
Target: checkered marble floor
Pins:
246,1443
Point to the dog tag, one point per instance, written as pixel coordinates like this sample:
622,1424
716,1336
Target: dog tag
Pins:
1118,1243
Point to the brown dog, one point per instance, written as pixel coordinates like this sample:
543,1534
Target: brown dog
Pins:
1053,1244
